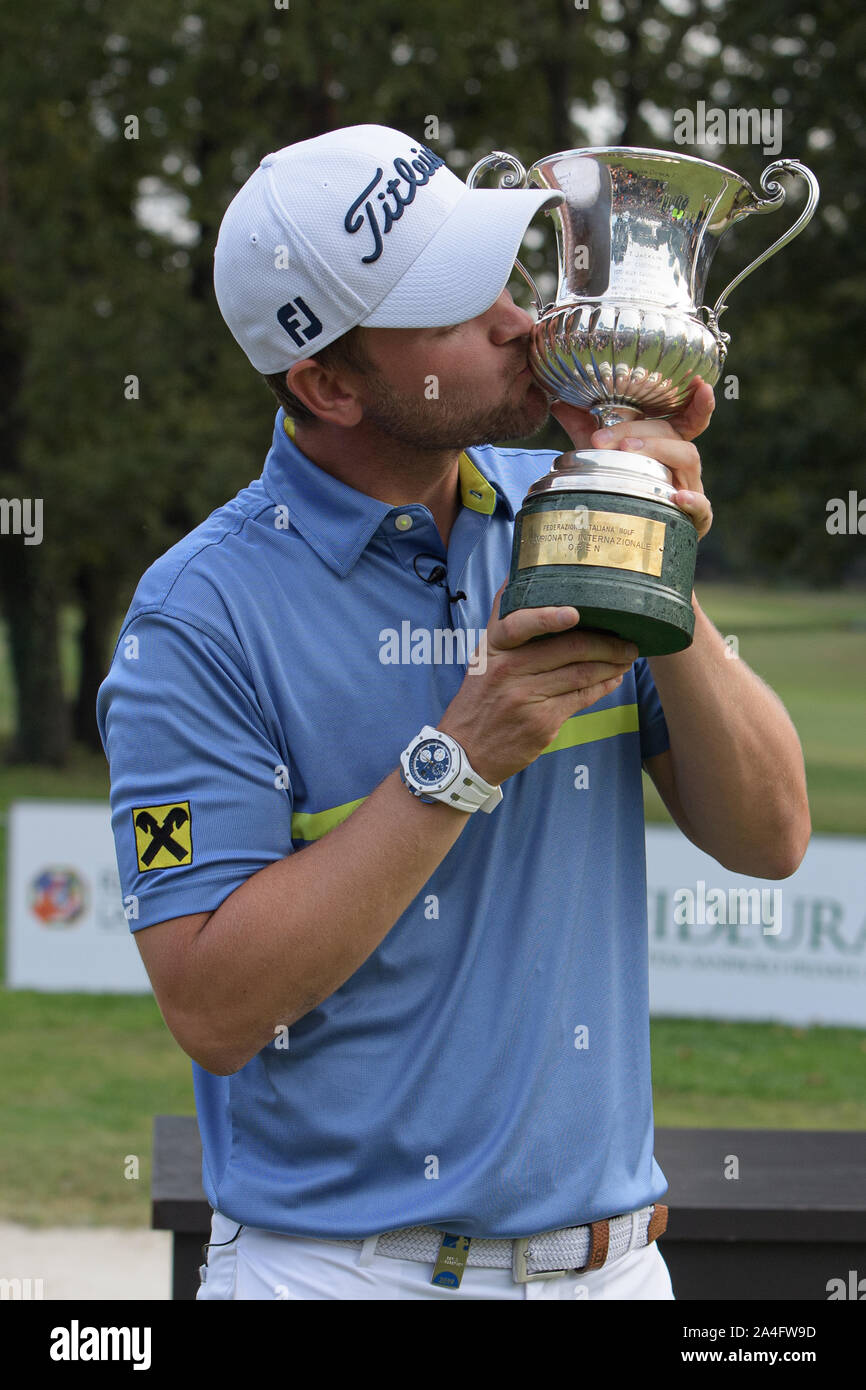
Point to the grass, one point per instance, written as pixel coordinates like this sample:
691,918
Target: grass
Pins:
758,1075
89,1074
84,1075
811,649
91,1071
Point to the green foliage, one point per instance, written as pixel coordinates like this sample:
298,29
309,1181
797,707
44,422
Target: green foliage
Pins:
98,296
95,291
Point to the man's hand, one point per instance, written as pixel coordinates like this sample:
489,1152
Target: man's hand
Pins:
668,441
506,717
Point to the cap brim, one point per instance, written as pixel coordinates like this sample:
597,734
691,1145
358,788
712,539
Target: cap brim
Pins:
464,268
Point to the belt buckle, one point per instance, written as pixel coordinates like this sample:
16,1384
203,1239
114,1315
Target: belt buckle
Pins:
598,1248
519,1254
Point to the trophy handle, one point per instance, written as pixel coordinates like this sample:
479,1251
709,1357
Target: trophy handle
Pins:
515,178
775,200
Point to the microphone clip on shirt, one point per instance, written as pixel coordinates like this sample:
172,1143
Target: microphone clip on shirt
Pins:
438,575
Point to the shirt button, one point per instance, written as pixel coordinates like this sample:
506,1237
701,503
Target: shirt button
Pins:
403,522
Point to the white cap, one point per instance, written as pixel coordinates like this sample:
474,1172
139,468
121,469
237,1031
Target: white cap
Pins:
360,226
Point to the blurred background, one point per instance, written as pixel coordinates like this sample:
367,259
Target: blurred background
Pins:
126,405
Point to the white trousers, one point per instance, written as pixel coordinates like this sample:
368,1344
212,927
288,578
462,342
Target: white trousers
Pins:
267,1265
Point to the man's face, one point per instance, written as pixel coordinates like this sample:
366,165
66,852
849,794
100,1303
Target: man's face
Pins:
449,388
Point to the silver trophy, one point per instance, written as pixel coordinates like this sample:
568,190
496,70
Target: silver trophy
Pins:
625,336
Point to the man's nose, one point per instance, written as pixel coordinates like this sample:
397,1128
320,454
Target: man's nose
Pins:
508,320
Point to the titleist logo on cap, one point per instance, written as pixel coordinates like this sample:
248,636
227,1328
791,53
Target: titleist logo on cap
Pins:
415,173
330,203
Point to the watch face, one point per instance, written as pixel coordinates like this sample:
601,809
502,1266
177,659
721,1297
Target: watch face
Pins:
431,764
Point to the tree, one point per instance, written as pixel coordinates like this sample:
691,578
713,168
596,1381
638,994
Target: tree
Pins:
127,406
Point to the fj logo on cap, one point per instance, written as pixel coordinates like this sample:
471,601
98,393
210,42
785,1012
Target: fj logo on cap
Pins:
163,836
298,332
415,174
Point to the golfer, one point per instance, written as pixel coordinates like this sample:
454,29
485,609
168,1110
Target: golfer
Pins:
383,850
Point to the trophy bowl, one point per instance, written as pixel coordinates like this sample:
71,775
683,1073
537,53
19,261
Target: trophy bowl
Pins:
625,337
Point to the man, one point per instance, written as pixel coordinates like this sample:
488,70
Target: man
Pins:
420,1034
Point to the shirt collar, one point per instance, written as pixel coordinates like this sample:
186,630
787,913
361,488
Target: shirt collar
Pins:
337,520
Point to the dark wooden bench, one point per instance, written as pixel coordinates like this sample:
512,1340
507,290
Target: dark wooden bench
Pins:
792,1220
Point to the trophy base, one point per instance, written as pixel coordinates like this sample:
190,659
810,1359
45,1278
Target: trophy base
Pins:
658,623
600,534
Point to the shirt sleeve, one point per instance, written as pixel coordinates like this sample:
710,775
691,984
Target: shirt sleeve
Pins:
654,736
200,795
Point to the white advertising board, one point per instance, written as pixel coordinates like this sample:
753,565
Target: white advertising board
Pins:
720,945
788,950
65,925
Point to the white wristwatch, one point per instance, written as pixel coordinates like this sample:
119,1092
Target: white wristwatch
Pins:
435,768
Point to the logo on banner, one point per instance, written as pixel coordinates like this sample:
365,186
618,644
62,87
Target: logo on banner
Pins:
163,836
58,897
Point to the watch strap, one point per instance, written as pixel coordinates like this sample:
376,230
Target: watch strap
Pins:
468,792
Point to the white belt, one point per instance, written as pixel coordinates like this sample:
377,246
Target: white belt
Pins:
572,1249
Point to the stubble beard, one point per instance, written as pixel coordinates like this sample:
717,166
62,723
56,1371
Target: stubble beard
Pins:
455,424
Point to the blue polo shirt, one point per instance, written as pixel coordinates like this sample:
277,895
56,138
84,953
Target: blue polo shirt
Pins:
487,1069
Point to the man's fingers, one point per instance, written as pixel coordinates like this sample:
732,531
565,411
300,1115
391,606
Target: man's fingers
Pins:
575,649
558,648
686,425
690,420
578,678
697,412
523,624
572,702
680,457
578,424
696,506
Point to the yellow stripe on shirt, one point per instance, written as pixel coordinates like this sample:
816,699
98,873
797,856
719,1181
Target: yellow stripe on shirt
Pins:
582,728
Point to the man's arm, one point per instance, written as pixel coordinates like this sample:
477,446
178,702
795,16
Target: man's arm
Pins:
294,932
733,779
290,935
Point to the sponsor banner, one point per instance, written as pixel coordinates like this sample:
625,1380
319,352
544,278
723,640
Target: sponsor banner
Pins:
66,927
720,945
783,950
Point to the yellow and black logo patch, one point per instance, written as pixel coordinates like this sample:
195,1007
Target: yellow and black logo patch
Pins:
163,836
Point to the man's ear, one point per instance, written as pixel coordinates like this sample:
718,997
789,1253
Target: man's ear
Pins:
327,391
